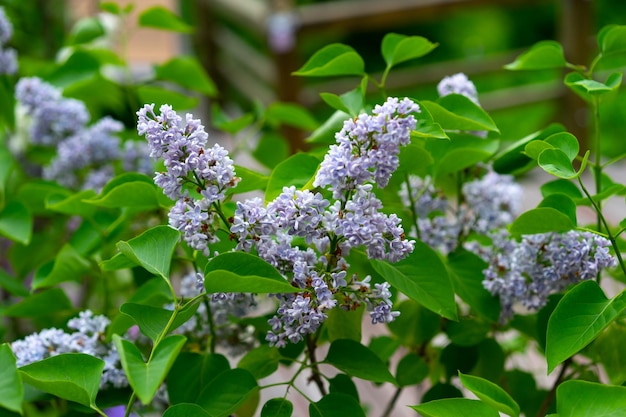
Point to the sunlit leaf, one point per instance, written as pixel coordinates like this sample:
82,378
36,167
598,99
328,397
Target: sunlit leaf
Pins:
398,48
542,55
333,60
152,249
454,407
582,398
297,170
491,394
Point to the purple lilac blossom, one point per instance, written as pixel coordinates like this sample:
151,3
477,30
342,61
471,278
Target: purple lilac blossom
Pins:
527,272
6,28
8,56
458,84
87,337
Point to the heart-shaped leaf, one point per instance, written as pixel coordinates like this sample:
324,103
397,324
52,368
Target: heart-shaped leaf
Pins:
11,389
152,320
457,112
557,163
143,377
191,373
297,170
398,48
277,407
582,398
358,361
541,220
161,18
227,392
187,72
333,60
612,39
153,249
336,405
491,394
542,55
578,319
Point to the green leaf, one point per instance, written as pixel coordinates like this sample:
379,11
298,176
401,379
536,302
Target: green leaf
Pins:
86,30
542,55
143,377
118,261
422,277
566,142
612,39
243,272
460,152
186,410
441,390
250,180
411,370
491,394
342,324
6,163
581,315
556,162
297,170
541,220
562,203
582,398
191,373
271,150
336,405
73,204
358,361
325,134
457,112
137,194
151,320
333,60
414,160
153,249
534,148
11,390
161,18
415,325
561,186
16,222
159,96
227,392
584,86
607,350
343,384
467,332
12,285
290,114
453,407
277,407
80,66
261,361
68,265
40,304
187,72
398,48
466,272
71,376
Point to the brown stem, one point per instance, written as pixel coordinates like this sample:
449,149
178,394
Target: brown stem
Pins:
548,400
392,403
315,372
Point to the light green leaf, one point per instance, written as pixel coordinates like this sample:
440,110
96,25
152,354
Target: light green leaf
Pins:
562,203
333,60
325,134
542,55
566,142
243,272
86,30
118,261
73,204
186,410
607,350
71,376
534,148
336,405
297,170
191,373
587,86
457,112
16,222
250,180
398,48
582,398
541,220
290,114
460,152
137,194
358,361
612,39
143,377
411,370
153,249
426,127
68,265
423,278
557,163
261,361
161,18
414,160
227,392
350,103
11,389
187,72
152,320
491,394
561,186
6,162
581,315
40,304
159,96
454,407
277,407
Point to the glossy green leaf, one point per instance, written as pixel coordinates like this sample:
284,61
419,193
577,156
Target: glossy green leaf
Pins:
73,204
297,170
457,112
137,194
187,72
243,272
561,186
460,152
491,394
414,160
118,261
454,407
342,324
277,407
325,133
68,265
11,390
581,315
261,361
145,378
16,222
423,278
159,17
290,114
466,272
398,48
71,376
343,384
186,410
227,392
582,398
160,95
40,304
336,405
358,361
562,203
541,220
565,142
333,60
556,162
586,86
534,149
415,325
385,346
191,373
411,370
153,249
250,180
542,55
612,39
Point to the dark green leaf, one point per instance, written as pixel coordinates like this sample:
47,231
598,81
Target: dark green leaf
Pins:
261,361
191,373
277,407
297,170
187,72
561,186
290,114
457,358
81,65
541,220
542,55
398,48
73,204
161,18
186,410
16,222
457,112
454,407
385,346
441,390
40,304
336,405
243,272
581,315
423,278
271,150
227,392
68,265
12,285
607,350
467,332
342,324
151,320
86,30
153,249
11,390
411,370
333,60
582,398
415,325
357,360
491,394
159,96
343,384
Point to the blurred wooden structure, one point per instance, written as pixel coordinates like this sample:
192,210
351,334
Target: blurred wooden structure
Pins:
265,74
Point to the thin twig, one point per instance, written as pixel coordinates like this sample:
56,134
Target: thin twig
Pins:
315,372
548,400
392,403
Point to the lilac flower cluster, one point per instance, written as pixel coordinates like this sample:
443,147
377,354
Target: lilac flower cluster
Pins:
85,154
196,177
489,202
458,84
225,309
527,272
87,338
8,55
